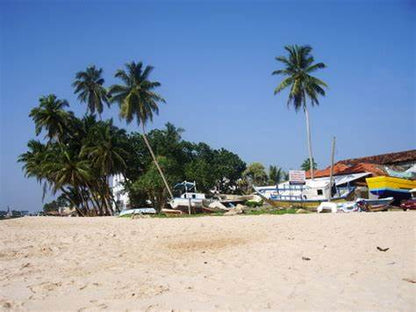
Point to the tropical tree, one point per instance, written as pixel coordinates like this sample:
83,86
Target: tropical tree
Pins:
298,67
88,85
277,175
105,148
68,169
138,100
152,185
306,165
51,116
255,174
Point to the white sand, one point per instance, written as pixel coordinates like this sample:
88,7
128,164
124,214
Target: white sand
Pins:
241,263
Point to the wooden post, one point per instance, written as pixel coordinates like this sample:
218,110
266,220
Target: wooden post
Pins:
332,169
189,206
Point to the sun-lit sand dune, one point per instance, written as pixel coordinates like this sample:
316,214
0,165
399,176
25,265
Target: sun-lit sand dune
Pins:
244,263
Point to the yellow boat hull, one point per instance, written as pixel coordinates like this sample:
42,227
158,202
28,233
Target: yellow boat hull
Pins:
390,182
391,187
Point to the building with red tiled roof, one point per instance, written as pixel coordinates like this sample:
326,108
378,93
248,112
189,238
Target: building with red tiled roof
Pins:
384,159
373,164
340,168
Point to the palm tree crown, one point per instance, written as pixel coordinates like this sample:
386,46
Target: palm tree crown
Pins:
135,96
88,85
51,116
137,99
297,68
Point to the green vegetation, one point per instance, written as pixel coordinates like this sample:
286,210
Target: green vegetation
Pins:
297,70
277,175
75,157
54,205
252,212
271,211
306,165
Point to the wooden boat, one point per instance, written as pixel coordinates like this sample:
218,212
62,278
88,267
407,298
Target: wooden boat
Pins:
214,205
374,205
307,204
397,188
308,196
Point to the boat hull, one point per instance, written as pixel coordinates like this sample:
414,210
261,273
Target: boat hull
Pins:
391,187
305,204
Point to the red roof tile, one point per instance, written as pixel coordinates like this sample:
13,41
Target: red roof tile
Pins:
383,159
341,168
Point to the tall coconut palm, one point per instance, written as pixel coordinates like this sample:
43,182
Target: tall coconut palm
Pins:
88,85
297,70
51,116
105,148
138,100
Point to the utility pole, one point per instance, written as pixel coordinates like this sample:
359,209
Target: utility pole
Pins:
332,169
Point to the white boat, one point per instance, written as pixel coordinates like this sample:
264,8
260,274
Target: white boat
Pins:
359,205
190,199
312,193
194,202
138,211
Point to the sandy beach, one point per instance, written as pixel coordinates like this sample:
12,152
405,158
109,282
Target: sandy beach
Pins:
310,262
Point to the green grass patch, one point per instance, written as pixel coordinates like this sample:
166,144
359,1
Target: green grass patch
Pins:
271,211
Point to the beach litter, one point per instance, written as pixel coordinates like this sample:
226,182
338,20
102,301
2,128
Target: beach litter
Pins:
382,249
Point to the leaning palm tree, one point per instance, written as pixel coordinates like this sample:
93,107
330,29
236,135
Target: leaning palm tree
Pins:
298,67
88,85
137,100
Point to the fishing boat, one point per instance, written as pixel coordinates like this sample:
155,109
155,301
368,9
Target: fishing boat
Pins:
310,195
380,204
190,200
397,188
359,205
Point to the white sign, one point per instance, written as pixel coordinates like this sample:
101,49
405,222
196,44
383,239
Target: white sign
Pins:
297,176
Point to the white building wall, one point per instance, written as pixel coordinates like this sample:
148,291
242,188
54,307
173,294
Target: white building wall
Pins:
120,196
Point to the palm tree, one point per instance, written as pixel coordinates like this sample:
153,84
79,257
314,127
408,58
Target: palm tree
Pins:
306,165
297,69
88,85
105,148
68,170
276,175
137,100
51,116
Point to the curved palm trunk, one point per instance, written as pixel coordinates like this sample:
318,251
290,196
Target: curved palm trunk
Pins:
308,132
156,163
79,211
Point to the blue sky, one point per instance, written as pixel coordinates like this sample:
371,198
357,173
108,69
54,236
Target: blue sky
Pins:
214,60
